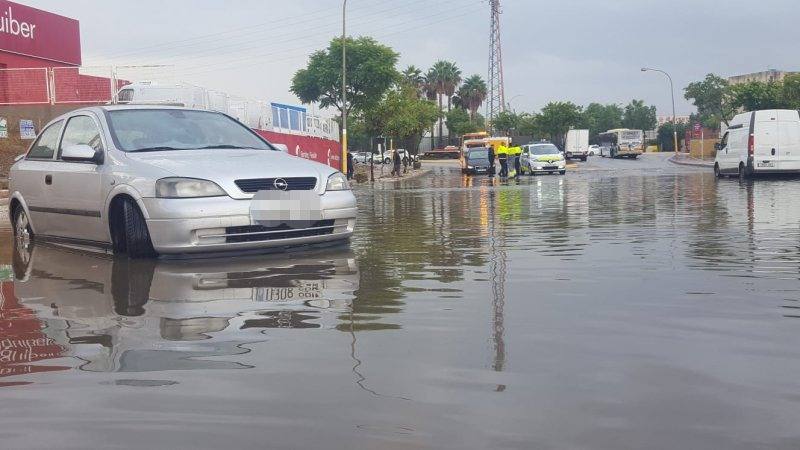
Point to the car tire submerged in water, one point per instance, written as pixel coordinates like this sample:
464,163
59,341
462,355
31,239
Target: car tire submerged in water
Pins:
742,171
717,173
133,236
562,172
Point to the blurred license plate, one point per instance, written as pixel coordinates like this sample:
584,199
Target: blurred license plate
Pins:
766,164
306,291
481,169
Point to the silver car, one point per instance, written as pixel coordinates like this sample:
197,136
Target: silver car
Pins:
149,180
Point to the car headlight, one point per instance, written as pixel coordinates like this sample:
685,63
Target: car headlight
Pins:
187,188
337,182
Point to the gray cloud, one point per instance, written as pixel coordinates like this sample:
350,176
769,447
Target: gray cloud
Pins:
578,50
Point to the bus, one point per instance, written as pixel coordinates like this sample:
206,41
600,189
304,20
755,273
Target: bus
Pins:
621,143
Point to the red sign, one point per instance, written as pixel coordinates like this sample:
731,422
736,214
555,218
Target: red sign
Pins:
40,34
325,151
697,131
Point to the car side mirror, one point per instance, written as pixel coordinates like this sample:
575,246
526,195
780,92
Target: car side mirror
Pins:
81,153
718,146
281,147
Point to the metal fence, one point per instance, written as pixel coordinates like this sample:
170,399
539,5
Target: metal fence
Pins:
25,86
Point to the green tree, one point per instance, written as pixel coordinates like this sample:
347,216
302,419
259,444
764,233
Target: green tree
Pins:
755,95
413,77
459,122
556,118
370,73
601,118
713,98
404,116
666,139
505,123
639,116
472,94
528,125
791,91
445,77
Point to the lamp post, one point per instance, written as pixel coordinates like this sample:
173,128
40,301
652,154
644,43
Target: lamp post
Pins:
508,102
674,117
344,87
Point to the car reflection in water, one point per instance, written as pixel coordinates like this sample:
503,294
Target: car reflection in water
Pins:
123,315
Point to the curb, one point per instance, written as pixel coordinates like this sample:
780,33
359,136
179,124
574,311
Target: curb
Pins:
690,163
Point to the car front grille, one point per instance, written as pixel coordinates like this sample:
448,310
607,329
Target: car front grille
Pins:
255,233
268,184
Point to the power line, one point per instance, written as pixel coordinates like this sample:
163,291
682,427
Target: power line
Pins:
224,65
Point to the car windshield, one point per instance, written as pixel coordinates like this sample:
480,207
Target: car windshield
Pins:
545,149
137,130
481,153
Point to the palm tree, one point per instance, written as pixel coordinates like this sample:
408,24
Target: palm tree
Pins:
472,94
413,77
445,77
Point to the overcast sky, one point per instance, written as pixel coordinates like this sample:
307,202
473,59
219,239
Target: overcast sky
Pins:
578,50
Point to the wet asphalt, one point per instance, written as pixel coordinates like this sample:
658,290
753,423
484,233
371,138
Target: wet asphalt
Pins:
625,305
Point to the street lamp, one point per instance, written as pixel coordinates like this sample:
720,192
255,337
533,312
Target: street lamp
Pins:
508,102
344,87
674,118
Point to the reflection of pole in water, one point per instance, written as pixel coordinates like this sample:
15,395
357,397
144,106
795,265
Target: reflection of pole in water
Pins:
497,268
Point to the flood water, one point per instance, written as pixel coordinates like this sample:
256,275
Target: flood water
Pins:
630,305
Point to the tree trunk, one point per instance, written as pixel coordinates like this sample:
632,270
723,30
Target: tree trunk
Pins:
441,121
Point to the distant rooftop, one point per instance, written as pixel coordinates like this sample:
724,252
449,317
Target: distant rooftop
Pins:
769,75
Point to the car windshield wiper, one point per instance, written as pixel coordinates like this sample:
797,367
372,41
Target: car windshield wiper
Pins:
157,149
221,146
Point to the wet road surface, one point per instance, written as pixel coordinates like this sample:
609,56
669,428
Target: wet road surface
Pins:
626,305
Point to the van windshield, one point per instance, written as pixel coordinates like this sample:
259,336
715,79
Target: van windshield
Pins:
138,130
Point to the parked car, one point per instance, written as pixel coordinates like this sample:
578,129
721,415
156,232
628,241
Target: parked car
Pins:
148,180
594,149
766,141
477,160
365,158
542,158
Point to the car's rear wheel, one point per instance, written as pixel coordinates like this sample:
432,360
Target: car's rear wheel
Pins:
717,172
742,172
129,230
562,172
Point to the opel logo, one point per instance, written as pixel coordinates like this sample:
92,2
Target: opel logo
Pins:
280,184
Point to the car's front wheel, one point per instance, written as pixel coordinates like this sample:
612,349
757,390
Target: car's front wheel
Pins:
129,230
23,233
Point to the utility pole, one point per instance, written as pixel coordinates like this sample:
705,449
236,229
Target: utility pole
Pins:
344,87
496,97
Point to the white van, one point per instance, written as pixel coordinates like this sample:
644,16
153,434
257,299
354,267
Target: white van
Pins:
758,142
577,145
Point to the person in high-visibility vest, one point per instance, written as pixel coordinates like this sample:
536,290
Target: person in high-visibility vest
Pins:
516,152
502,155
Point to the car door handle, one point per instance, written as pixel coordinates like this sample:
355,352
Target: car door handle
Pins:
48,179
773,152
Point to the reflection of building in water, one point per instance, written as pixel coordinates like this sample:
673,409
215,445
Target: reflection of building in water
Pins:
142,315
22,343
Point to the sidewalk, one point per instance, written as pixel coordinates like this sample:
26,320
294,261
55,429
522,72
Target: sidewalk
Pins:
386,175
686,160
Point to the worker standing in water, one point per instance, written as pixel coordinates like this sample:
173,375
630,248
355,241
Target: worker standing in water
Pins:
502,155
516,152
